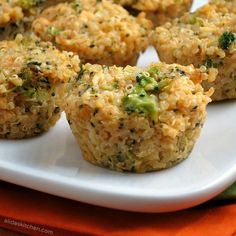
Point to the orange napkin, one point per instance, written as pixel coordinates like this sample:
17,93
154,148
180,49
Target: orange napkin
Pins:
37,213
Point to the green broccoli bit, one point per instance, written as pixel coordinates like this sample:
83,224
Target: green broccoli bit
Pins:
26,75
153,71
209,63
81,72
26,89
53,31
30,89
27,4
77,5
141,103
147,82
140,99
196,21
41,95
226,39
33,63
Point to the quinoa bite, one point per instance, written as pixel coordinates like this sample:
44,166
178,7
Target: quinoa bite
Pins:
133,119
206,39
16,16
9,13
224,5
159,11
31,74
98,31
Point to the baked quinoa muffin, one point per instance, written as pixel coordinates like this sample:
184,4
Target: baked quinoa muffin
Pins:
16,16
206,39
139,120
224,5
159,11
99,31
30,73
9,13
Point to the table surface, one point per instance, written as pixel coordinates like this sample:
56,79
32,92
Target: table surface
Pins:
6,232
67,217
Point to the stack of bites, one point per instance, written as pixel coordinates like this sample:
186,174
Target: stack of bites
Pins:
124,118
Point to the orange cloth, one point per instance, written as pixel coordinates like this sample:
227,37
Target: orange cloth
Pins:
26,210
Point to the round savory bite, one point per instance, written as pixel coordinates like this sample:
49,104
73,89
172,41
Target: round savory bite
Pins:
139,120
16,16
9,13
206,39
224,5
159,11
99,31
30,76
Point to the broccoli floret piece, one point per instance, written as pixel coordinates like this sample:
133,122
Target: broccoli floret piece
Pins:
27,4
209,63
77,5
53,31
226,39
141,103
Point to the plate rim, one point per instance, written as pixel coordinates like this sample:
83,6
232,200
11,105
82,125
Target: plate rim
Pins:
176,202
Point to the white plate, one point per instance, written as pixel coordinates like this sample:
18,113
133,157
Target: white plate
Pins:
52,163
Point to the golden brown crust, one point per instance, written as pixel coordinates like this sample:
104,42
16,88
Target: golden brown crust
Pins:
9,13
158,11
100,32
30,75
194,39
125,138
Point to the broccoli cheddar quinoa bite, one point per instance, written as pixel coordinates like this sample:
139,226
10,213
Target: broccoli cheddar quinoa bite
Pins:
9,13
207,39
15,16
159,11
30,77
98,31
224,5
139,120
10,16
